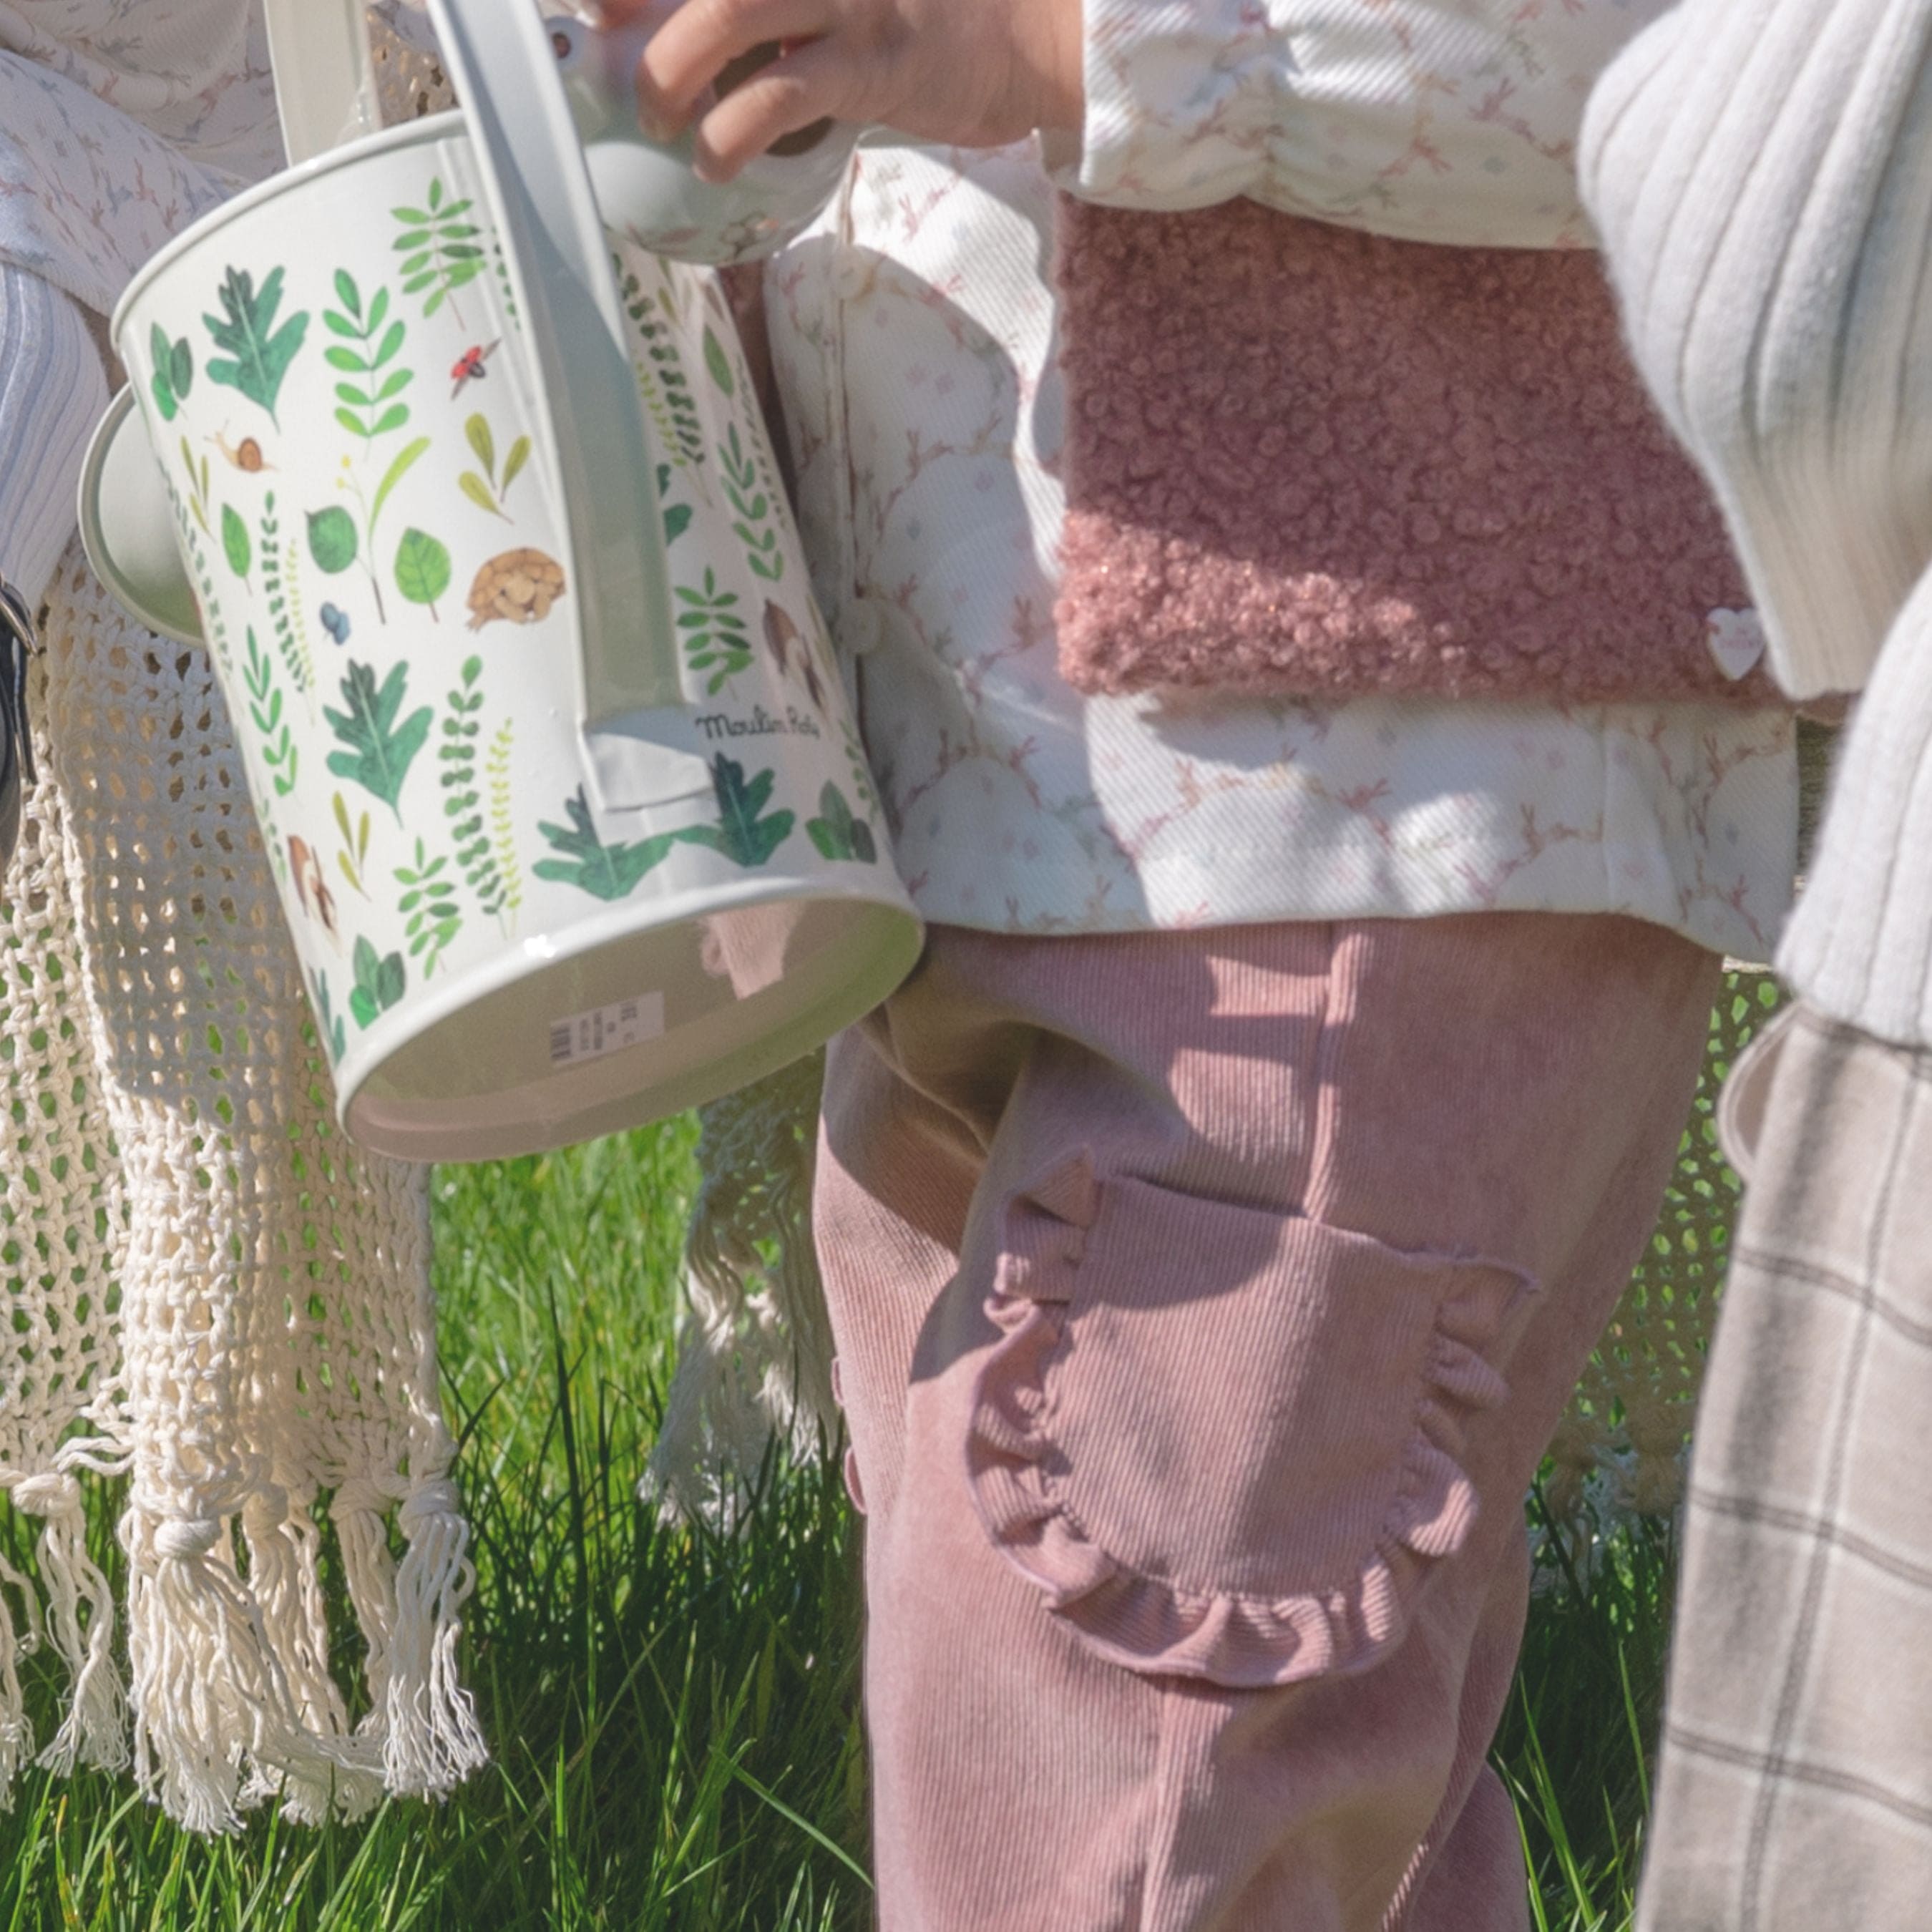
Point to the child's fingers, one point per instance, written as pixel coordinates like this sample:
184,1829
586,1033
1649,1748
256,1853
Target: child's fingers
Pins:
812,83
686,53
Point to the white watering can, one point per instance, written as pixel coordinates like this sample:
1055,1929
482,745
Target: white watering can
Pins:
467,492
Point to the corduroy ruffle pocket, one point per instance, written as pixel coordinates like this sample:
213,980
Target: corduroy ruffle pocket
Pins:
1225,1444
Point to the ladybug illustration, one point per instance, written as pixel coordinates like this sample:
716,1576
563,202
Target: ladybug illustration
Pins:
470,367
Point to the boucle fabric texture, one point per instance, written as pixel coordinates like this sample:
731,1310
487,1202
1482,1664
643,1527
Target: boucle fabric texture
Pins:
1306,461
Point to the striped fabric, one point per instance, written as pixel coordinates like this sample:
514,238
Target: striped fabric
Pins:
51,394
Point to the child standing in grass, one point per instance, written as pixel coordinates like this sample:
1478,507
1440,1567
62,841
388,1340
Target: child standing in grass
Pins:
1331,830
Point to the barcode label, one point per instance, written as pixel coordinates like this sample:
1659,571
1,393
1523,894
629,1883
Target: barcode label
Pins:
609,1030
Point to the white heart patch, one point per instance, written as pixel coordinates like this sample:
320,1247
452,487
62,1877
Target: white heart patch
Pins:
1737,641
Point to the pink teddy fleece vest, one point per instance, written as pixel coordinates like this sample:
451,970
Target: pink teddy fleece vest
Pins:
1305,461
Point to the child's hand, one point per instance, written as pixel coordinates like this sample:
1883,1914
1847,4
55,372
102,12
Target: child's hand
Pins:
979,73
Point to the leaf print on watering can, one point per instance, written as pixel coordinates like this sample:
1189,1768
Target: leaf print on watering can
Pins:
606,872
484,490
430,904
716,638
423,570
440,249
743,833
837,833
174,372
368,403
280,752
333,540
235,541
380,750
257,353
462,802
380,984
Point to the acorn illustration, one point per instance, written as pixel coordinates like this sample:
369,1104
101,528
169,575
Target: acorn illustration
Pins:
780,633
312,889
519,587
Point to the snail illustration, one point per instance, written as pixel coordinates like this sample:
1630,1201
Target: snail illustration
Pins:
246,455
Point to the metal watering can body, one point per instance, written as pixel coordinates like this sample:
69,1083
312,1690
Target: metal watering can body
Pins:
468,494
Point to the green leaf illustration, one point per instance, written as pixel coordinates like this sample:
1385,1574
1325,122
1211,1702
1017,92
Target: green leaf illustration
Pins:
335,1030
258,353
483,490
716,638
380,750
174,372
677,520
838,834
743,833
435,919
607,872
423,569
380,984
354,852
473,487
405,460
332,541
235,541
718,363
439,250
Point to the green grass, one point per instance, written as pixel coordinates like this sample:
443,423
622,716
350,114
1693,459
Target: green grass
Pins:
674,1715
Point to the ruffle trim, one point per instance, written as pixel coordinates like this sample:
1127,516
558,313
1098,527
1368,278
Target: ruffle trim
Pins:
1150,1624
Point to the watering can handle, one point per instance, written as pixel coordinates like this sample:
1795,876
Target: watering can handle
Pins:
325,74
587,401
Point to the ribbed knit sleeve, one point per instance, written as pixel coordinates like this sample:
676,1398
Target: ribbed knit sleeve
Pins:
52,392
1859,946
1760,173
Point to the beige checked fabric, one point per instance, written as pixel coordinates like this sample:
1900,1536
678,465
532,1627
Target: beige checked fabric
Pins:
1795,1786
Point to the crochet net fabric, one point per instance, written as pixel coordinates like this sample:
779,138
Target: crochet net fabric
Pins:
212,1290
209,1291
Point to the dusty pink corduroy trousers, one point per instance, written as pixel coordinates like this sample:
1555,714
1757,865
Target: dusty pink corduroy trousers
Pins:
1204,1302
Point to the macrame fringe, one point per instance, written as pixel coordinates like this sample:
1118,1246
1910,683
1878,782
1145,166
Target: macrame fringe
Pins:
216,1726
77,1621
755,1362
424,1721
17,1734
80,1625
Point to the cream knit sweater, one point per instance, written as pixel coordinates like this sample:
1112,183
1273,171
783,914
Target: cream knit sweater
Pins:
1761,172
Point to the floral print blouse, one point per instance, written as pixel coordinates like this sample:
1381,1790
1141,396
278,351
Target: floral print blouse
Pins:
912,334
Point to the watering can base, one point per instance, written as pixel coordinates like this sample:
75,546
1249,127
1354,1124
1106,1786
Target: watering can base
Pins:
634,1031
